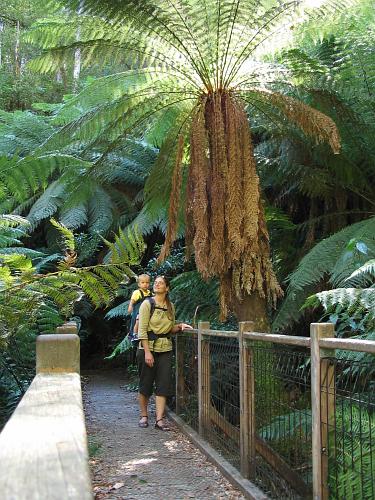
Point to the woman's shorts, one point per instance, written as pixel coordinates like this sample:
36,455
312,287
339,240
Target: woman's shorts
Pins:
160,374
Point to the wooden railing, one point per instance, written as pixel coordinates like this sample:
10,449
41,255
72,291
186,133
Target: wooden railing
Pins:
320,351
43,447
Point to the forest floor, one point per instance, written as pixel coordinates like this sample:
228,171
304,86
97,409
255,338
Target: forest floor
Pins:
128,462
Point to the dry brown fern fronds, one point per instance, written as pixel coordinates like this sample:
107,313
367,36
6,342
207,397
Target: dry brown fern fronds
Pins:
174,202
311,121
198,202
230,234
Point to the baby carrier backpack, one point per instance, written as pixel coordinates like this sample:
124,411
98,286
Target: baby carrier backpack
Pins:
151,335
133,318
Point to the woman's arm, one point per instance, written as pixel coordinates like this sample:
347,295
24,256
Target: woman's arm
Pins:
180,327
149,358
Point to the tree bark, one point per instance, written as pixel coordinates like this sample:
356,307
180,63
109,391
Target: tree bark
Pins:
77,54
1,46
253,308
17,57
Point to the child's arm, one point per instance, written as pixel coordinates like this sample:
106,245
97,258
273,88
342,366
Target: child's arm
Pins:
136,324
133,300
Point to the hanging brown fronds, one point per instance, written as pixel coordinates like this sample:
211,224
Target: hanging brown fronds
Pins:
216,181
234,203
311,121
230,234
250,183
189,219
199,203
174,202
225,220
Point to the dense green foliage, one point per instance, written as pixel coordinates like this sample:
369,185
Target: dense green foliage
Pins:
95,150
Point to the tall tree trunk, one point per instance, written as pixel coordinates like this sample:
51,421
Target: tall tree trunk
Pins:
77,53
61,76
1,46
17,57
76,67
253,308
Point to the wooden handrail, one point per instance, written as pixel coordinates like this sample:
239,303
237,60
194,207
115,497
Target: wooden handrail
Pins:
278,339
43,446
360,345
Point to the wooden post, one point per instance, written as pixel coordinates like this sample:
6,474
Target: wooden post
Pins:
59,352
204,386
327,406
68,327
321,408
180,378
247,402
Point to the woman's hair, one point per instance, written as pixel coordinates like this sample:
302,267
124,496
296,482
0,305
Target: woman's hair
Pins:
167,299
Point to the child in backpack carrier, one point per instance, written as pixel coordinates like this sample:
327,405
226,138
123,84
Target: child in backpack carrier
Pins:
138,296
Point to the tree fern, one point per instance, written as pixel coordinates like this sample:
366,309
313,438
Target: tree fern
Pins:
46,299
331,258
351,451
184,60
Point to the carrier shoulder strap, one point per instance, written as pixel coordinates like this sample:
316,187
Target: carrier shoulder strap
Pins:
152,302
153,305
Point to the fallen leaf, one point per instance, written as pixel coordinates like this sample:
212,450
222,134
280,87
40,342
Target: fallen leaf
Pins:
117,486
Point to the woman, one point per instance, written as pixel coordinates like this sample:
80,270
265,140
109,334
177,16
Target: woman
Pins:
154,355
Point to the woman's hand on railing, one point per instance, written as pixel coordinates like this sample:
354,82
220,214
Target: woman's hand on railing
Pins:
184,326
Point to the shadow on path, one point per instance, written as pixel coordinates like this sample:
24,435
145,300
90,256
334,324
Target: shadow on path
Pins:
132,463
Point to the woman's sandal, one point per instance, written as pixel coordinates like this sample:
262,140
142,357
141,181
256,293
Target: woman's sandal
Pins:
143,423
163,426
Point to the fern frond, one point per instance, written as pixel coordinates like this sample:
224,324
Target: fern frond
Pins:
127,247
124,346
349,298
68,236
120,311
363,275
330,257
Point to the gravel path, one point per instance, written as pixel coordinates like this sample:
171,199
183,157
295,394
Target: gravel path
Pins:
132,463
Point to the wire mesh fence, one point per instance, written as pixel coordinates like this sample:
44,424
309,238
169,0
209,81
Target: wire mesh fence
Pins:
282,398
186,404
348,427
221,425
251,400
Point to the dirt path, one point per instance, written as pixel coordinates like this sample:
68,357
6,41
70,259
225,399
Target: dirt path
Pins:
133,463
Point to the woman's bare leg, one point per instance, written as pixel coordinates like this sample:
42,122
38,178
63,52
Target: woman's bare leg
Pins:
143,404
160,406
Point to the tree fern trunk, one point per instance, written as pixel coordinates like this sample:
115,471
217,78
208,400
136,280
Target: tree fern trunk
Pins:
253,308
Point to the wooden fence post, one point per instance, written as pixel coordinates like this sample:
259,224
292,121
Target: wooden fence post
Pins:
180,377
204,386
68,327
59,352
322,407
247,402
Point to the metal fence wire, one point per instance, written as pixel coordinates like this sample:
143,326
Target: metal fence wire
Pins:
221,425
282,398
250,399
187,389
348,427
